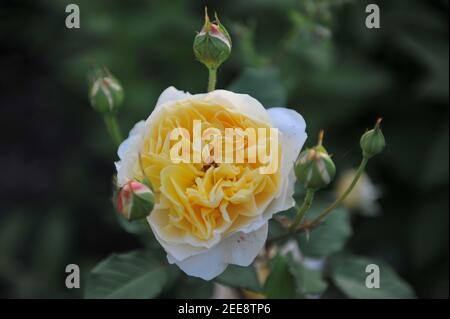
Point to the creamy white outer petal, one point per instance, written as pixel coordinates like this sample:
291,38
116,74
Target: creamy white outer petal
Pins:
292,137
128,151
128,165
293,127
171,94
239,249
242,103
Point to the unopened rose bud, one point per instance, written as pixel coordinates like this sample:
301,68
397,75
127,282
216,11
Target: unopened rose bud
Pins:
105,92
212,45
315,168
134,201
372,142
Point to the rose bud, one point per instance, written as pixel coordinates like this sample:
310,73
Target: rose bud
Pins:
372,142
105,92
212,45
134,201
315,168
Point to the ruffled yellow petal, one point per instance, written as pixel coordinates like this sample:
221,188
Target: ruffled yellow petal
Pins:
211,197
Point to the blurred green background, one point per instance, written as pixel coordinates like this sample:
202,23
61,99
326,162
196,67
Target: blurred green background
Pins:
315,56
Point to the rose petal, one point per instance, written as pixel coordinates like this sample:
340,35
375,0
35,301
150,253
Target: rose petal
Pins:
129,149
128,153
293,136
293,126
245,247
171,94
129,143
242,103
239,249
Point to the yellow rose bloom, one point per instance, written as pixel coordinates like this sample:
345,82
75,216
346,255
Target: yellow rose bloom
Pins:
209,214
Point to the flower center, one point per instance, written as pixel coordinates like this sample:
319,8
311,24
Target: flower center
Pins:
207,197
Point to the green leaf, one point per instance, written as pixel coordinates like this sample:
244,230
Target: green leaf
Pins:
307,281
349,274
240,277
328,238
263,84
281,282
138,275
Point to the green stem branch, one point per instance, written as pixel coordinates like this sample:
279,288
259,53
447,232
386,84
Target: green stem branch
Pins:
308,225
113,128
212,79
341,198
303,209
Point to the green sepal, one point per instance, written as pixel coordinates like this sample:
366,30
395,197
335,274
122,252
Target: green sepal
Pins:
141,205
211,51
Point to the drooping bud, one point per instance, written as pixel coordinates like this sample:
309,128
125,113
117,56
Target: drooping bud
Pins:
315,168
212,45
372,142
105,92
134,201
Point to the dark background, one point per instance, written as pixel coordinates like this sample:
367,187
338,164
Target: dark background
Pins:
56,158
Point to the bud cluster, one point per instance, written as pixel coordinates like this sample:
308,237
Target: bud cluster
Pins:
315,168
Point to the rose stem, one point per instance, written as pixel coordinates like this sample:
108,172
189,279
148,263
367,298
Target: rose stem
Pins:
212,79
344,195
315,222
303,209
113,128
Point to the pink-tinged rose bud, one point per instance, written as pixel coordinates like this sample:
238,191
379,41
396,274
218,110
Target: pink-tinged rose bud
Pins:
134,201
212,45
